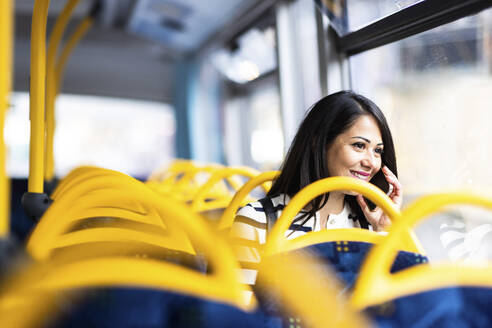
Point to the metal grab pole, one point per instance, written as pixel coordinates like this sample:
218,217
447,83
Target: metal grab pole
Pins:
53,45
37,96
6,48
79,33
35,201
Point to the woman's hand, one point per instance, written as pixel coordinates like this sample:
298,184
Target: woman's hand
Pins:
377,218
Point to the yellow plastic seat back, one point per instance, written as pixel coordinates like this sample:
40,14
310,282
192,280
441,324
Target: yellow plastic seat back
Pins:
240,197
376,285
206,198
111,197
77,269
78,175
183,186
168,173
277,242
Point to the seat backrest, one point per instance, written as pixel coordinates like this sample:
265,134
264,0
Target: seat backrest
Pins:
167,304
78,175
376,285
106,196
188,183
278,243
200,201
263,179
169,172
77,269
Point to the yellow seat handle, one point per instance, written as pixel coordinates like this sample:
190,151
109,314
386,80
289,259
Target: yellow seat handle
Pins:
37,96
54,42
227,217
78,175
186,184
222,284
277,242
176,167
198,201
376,285
56,219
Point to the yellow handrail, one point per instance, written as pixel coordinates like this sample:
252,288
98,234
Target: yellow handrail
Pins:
74,39
227,217
277,242
176,167
198,203
34,289
54,42
55,79
185,188
376,285
123,235
91,193
79,270
6,48
80,174
37,96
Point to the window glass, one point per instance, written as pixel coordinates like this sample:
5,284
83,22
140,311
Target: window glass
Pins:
350,15
249,57
363,12
435,91
267,141
251,113
134,137
253,129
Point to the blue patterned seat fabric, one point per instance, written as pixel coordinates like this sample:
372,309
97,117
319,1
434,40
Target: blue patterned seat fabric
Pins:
345,258
135,307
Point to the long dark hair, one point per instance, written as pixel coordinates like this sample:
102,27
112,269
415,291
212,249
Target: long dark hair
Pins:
307,161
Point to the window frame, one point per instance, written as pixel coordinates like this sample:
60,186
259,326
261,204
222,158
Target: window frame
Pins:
409,21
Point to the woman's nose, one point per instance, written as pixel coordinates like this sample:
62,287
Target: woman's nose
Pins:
369,160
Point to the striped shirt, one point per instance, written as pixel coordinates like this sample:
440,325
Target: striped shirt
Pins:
250,229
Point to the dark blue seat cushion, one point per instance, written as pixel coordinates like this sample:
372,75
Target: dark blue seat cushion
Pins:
346,258
134,307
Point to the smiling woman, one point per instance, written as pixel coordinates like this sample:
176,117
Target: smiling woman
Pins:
343,134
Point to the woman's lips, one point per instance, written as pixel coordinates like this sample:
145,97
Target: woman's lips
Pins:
360,175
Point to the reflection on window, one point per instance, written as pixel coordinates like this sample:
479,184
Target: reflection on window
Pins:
250,57
350,15
253,130
134,137
267,143
435,91
363,12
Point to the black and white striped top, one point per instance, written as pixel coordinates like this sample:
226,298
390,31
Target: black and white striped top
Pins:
252,216
249,231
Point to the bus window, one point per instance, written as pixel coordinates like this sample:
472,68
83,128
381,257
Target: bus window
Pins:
130,136
350,15
253,129
434,88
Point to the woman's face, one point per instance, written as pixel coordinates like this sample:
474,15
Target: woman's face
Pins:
357,152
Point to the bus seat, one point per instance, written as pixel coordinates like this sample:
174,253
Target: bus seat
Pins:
438,295
240,199
343,249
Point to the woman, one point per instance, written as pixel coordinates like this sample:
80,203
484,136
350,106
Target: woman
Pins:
344,134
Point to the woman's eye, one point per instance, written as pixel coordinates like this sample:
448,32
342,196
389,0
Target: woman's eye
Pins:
379,151
358,145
